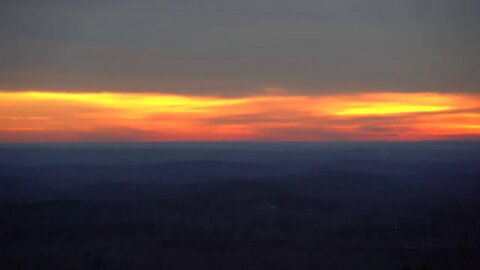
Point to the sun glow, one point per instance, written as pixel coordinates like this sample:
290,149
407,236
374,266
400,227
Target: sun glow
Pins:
53,116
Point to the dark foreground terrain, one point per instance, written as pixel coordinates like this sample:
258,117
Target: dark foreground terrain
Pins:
240,206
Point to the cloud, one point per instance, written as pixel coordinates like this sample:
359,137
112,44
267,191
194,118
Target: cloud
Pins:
107,134
239,48
162,117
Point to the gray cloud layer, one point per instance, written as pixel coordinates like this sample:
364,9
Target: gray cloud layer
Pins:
233,47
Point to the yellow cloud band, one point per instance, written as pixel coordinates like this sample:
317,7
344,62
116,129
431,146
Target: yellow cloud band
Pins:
54,116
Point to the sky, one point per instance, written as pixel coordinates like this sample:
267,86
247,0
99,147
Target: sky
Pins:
281,70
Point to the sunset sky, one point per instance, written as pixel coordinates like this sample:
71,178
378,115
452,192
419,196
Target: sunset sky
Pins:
263,70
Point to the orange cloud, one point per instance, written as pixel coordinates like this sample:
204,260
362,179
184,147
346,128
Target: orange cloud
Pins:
50,116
